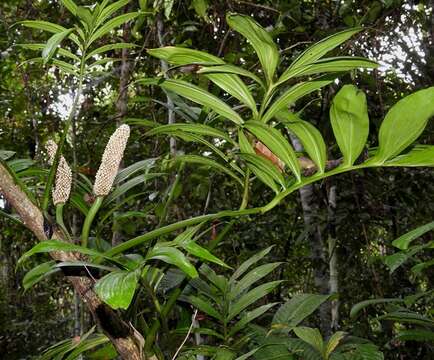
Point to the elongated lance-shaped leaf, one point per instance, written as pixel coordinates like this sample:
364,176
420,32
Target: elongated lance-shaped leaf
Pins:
112,24
70,5
418,156
60,51
109,47
404,241
205,307
230,69
171,255
404,122
38,273
311,336
266,171
52,44
196,159
318,50
251,297
249,317
260,39
230,83
248,263
327,65
117,288
294,93
109,10
50,27
276,142
350,122
355,310
200,96
309,135
200,129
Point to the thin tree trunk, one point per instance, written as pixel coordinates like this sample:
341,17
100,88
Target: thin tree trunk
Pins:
318,254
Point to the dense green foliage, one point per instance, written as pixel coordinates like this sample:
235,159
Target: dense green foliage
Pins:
273,199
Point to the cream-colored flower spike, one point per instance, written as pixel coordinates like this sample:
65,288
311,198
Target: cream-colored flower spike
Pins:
63,181
111,159
62,187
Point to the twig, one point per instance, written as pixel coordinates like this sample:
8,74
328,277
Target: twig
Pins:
193,318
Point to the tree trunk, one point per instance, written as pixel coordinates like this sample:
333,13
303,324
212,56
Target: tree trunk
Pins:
127,341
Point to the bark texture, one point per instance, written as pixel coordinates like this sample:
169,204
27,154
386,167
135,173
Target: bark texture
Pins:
124,337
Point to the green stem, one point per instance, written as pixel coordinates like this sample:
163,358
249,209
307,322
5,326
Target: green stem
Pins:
89,219
59,220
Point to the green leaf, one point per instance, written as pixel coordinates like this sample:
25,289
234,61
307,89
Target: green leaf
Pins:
112,24
251,277
109,11
408,317
200,129
5,154
204,307
350,122
311,336
418,156
335,64
52,44
230,69
333,342
109,47
143,165
201,7
117,288
173,256
249,298
294,93
310,137
56,245
70,5
48,26
249,262
363,304
318,50
196,159
276,142
198,251
415,335
38,273
230,83
60,51
249,316
200,96
259,38
265,170
294,311
404,241
404,122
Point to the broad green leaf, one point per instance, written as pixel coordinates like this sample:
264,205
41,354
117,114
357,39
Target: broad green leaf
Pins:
204,306
318,50
415,335
266,171
250,297
200,129
112,24
117,288
56,245
70,5
38,273
260,39
311,336
404,241
363,304
230,83
251,277
310,137
333,343
294,93
248,263
173,256
327,65
350,122
294,311
200,96
418,156
404,122
6,154
276,142
230,69
196,159
417,269
249,317
52,44
109,47
201,7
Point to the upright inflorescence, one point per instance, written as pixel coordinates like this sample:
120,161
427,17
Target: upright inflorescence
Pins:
62,185
111,160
